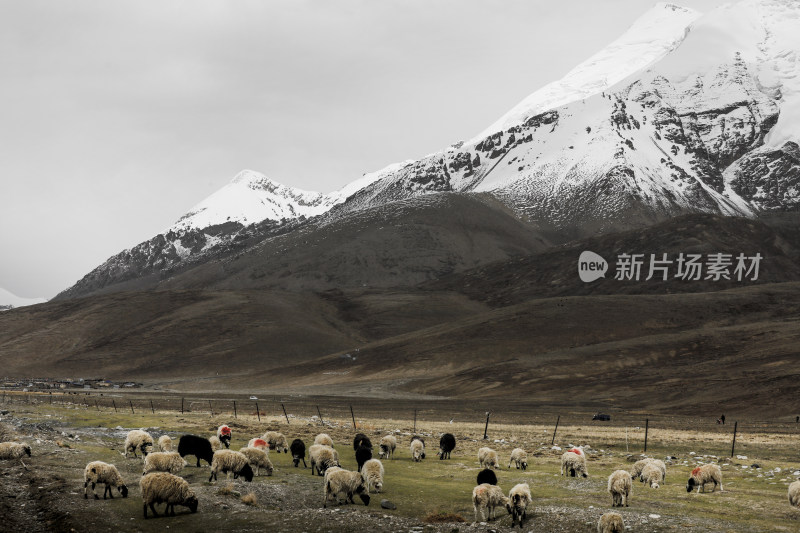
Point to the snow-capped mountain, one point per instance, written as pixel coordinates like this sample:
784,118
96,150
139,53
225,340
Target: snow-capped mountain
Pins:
9,300
685,112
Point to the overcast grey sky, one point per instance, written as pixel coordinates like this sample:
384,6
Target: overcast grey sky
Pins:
116,117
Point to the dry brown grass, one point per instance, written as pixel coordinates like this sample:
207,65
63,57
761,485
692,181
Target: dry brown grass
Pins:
439,517
250,499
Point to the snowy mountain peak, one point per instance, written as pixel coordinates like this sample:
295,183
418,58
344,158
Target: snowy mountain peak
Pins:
650,38
9,300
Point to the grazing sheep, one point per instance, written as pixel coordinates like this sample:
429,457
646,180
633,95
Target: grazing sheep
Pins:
447,443
324,439
638,466
705,474
171,462
259,443
519,457
229,461
138,438
346,482
487,458
258,459
165,443
489,497
417,450
162,487
373,475
794,494
361,440
519,497
611,523
487,475
100,472
620,486
298,449
14,450
216,444
388,445
651,475
322,457
224,435
197,446
276,441
573,465
363,454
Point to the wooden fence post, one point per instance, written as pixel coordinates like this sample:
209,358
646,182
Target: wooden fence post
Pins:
258,412
284,413
354,418
114,404
486,427
234,409
556,429
153,409
320,416
646,428
733,446
132,411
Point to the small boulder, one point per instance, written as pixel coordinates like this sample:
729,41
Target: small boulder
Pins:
386,504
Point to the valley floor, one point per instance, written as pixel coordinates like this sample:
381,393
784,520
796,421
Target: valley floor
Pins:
45,492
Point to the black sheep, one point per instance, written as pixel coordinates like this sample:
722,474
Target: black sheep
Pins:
197,446
363,454
487,475
298,449
446,445
361,440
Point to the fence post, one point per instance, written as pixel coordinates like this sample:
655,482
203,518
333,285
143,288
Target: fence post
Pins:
181,405
234,409
646,427
354,418
556,429
132,411
152,408
415,420
486,427
95,403
320,416
258,412
114,404
733,446
284,413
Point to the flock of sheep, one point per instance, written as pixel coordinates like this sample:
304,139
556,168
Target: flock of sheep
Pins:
161,484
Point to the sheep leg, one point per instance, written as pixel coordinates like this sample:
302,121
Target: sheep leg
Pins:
478,513
107,490
171,508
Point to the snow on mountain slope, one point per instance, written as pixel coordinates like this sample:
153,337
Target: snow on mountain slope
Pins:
651,37
9,300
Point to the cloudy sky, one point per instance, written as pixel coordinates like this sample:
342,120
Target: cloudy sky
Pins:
116,117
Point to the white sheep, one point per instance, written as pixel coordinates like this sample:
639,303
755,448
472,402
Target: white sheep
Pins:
100,472
163,487
620,486
651,474
373,474
388,444
794,494
216,444
224,435
341,481
165,443
487,458
611,523
276,441
258,459
519,497
171,462
705,474
13,450
417,450
574,465
324,439
229,461
140,439
322,457
259,443
519,457
638,466
486,496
